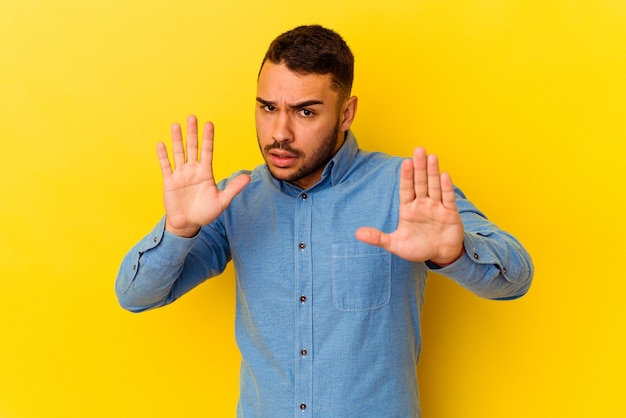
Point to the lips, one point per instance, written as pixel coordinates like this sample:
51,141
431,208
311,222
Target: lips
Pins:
282,159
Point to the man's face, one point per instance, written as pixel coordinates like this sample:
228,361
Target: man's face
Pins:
300,123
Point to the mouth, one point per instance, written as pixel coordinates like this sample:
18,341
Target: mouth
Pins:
281,158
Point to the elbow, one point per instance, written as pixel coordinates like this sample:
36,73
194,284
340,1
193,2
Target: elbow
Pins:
512,296
132,299
126,302
128,305
518,286
135,305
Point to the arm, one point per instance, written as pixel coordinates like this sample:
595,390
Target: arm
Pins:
438,226
163,266
187,246
494,264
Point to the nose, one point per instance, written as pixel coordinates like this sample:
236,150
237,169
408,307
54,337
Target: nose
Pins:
281,131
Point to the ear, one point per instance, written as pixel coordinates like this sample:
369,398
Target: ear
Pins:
348,113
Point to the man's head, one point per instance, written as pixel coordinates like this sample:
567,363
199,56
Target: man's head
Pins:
314,50
304,106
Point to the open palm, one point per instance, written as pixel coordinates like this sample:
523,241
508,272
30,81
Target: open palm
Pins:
429,225
190,194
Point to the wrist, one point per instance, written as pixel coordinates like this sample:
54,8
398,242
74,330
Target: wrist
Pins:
185,232
444,262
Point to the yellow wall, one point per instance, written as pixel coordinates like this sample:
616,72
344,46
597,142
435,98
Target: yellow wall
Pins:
524,101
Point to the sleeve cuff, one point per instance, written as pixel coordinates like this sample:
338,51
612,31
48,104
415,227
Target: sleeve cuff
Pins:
166,249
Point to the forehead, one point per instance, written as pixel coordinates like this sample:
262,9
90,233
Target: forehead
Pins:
276,82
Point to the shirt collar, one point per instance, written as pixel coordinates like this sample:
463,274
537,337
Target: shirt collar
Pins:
339,165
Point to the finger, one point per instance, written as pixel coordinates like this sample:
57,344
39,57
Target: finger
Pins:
434,183
233,188
407,187
206,152
164,161
420,173
448,197
177,145
373,236
192,138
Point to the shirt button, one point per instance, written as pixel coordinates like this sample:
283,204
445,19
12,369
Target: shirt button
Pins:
303,406
134,266
475,256
154,239
302,245
504,270
304,196
302,298
303,352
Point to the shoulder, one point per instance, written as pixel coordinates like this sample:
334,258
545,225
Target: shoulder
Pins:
256,176
374,163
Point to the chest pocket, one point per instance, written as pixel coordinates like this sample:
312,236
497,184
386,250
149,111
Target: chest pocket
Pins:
361,276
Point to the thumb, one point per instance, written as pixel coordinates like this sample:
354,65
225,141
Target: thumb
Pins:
234,187
372,236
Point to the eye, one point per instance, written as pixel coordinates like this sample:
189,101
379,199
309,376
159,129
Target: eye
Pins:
307,113
268,108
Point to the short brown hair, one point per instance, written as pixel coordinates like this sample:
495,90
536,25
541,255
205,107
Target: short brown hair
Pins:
314,49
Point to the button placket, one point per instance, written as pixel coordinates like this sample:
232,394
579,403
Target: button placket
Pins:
303,312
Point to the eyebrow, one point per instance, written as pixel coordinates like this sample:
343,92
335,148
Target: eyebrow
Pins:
295,106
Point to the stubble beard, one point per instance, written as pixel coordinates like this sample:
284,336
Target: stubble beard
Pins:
320,157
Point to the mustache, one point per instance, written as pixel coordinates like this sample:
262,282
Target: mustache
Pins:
284,146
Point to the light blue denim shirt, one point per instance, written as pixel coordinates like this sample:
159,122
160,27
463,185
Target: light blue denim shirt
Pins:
327,326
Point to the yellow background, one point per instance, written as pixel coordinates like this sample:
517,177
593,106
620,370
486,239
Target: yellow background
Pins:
524,101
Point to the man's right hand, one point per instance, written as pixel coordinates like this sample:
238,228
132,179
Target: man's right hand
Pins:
190,194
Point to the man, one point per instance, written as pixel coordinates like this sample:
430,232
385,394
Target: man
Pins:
331,244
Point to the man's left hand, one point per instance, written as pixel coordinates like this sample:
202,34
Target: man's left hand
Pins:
429,226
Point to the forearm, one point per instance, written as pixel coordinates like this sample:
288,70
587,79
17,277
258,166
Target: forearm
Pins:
494,264
491,267
162,267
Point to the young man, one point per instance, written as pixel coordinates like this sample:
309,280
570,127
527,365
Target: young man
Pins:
331,244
